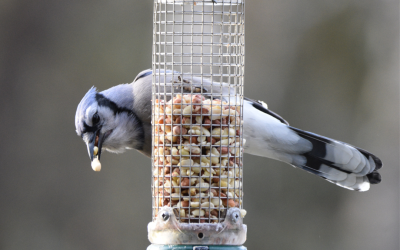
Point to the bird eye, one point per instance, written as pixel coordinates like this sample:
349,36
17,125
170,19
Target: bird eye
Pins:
95,119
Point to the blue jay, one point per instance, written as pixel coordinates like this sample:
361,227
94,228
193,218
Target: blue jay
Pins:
119,118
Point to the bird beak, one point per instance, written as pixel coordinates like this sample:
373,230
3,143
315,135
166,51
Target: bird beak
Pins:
95,141
90,148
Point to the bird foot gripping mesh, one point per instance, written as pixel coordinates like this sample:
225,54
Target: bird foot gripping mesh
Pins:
197,123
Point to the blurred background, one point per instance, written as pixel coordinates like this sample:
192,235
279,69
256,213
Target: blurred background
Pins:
330,67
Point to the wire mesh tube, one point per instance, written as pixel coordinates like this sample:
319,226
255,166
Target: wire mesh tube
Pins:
197,160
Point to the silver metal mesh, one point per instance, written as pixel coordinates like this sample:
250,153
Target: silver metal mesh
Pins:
198,72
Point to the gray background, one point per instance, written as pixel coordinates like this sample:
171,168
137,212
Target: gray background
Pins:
330,67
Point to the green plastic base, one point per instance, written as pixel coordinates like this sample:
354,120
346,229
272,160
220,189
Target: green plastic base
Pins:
194,247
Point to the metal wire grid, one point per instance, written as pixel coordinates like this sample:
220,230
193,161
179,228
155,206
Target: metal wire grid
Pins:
198,66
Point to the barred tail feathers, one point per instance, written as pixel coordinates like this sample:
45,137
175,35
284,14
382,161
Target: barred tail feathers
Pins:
340,163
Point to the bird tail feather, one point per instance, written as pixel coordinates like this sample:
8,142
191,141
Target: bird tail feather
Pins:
340,163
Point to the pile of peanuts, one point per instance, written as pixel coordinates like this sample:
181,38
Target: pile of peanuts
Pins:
198,152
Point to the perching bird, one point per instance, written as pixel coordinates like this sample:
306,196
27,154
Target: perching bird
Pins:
119,118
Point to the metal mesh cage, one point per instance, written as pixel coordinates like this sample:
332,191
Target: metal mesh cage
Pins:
198,73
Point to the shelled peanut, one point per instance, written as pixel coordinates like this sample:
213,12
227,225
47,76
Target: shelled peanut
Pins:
197,166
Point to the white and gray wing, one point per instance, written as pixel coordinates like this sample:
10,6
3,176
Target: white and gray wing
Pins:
269,135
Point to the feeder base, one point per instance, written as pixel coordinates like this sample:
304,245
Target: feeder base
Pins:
166,230
194,247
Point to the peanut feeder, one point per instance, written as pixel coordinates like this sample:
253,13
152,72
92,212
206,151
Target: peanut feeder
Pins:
197,124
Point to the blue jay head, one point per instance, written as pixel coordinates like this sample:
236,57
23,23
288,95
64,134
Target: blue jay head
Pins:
100,122
88,123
